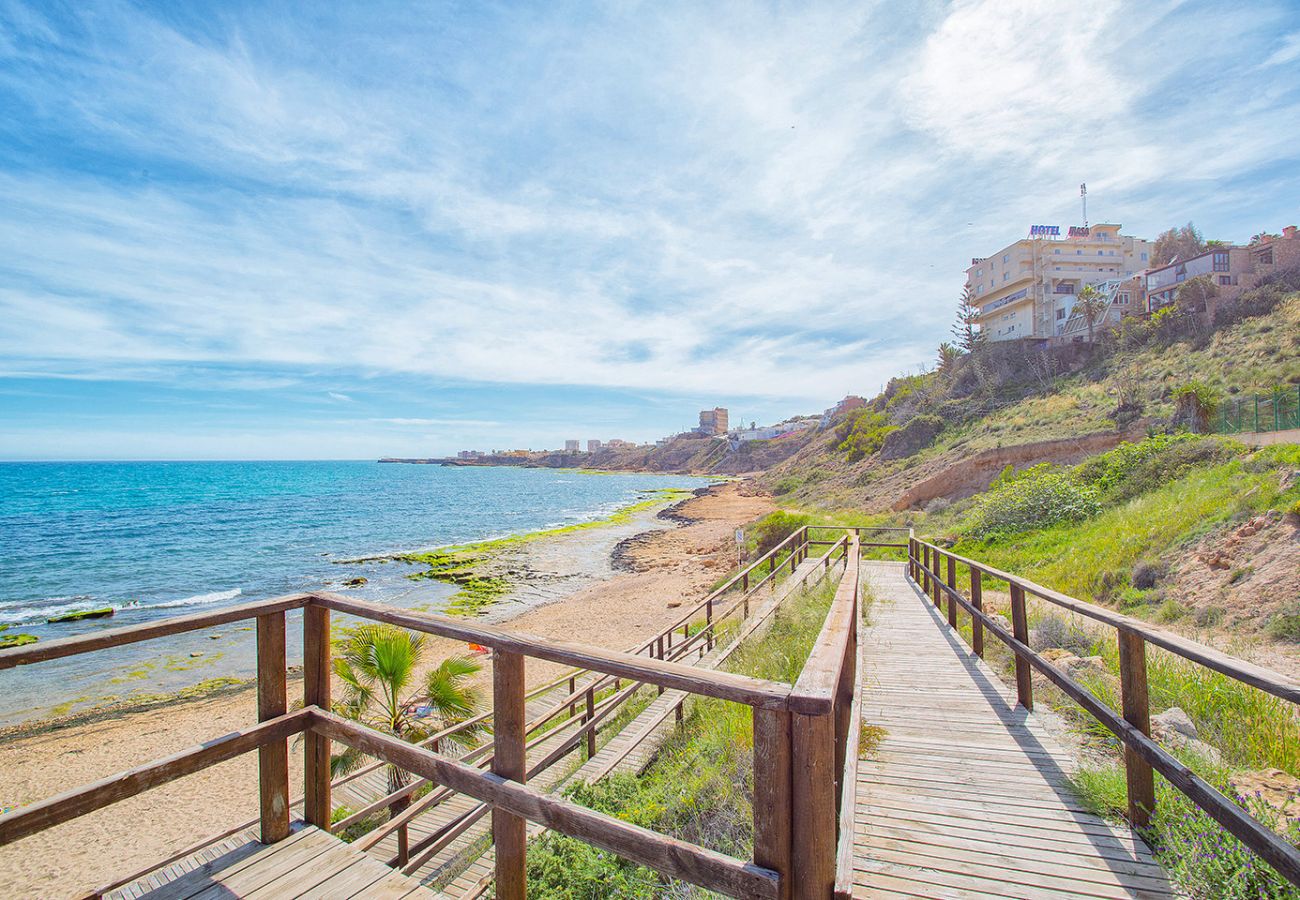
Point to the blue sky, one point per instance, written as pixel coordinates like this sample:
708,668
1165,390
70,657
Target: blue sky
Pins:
271,230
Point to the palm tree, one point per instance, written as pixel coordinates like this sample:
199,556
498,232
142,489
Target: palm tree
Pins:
378,666
1092,305
948,356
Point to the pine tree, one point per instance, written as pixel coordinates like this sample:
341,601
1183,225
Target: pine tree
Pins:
966,330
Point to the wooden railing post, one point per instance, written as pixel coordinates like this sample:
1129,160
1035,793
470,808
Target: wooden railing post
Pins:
814,821
1020,630
938,579
708,620
925,573
509,832
773,801
977,601
272,702
1137,712
952,583
586,720
317,804
573,689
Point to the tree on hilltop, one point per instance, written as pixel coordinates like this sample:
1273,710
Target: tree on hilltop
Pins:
1177,243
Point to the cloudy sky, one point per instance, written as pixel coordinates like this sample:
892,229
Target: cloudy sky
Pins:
271,230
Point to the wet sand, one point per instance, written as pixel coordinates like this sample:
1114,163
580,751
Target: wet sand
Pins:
673,563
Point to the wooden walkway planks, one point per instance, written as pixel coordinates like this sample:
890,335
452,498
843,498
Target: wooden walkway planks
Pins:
967,795
307,865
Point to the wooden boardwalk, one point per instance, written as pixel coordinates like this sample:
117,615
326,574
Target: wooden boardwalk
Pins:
636,745
307,865
967,795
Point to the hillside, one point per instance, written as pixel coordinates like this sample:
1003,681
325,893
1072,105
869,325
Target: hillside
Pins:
949,432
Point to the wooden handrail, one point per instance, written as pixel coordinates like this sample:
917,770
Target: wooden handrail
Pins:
677,859
1256,676
1139,746
86,799
131,634
722,685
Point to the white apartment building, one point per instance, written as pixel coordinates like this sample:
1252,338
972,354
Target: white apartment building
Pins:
1027,289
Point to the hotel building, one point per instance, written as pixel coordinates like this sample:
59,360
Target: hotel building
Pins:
1027,289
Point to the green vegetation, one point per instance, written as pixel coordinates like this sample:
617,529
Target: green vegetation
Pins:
377,665
16,640
1204,860
862,434
700,787
772,529
460,565
83,614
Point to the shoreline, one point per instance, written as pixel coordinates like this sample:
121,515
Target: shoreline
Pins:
680,560
514,564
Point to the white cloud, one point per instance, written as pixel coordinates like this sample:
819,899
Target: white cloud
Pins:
737,200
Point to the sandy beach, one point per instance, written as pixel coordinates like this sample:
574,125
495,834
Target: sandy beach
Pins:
671,562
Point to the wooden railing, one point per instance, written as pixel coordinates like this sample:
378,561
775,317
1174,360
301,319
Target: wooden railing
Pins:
935,570
801,734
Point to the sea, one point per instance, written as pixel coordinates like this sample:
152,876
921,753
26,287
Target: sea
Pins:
157,539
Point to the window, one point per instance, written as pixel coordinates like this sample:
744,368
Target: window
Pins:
1266,256
1057,251
1120,300
1078,253
1006,257
1144,257
980,289
1060,314
1220,262
1225,279
1006,275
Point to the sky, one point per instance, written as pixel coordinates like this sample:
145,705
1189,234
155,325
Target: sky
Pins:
283,230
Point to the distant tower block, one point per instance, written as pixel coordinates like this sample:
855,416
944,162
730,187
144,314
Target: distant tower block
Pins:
713,421
572,446
593,446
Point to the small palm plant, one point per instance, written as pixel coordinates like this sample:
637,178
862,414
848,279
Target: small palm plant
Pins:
378,665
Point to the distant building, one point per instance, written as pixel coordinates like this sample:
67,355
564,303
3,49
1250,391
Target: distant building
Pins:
593,446
850,402
1027,289
770,432
617,444
572,446
713,421
1233,269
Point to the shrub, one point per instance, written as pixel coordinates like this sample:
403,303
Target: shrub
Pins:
775,527
1036,498
1133,469
787,485
862,434
1146,574
1285,625
1055,631
911,438
1194,406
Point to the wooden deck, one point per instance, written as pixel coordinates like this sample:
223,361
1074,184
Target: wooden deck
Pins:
307,864
967,795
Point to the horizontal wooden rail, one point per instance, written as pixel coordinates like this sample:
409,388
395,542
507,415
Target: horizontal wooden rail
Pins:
677,859
1272,848
1248,673
88,798
132,634
723,685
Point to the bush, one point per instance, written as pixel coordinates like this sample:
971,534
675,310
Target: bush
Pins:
775,527
1285,625
862,434
1145,575
787,485
1133,469
1036,498
911,438
1194,406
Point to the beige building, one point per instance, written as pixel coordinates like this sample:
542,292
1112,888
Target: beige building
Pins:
713,421
1027,289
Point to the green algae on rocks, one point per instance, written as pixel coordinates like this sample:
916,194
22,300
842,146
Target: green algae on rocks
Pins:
459,564
84,614
16,640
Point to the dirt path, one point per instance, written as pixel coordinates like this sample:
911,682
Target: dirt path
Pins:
665,567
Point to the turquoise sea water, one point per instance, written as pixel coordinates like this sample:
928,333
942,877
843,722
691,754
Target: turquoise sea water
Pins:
154,539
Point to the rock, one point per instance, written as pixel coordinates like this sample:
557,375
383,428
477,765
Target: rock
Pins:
355,582
1176,720
103,613
1273,787
215,637
673,604
196,654
1175,729
1057,656
1001,620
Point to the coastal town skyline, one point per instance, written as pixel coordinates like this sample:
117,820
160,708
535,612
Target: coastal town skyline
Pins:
266,235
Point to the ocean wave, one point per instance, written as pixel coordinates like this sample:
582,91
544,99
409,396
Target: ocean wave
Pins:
199,599
51,607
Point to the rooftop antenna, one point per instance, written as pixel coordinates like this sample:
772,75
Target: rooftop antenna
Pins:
1083,195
